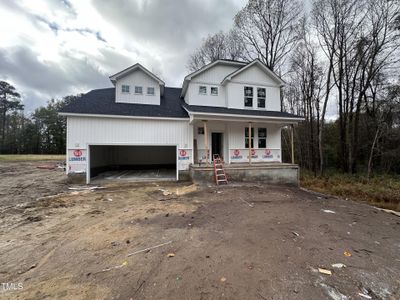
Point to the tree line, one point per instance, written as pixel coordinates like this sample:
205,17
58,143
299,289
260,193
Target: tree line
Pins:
340,60
342,53
41,132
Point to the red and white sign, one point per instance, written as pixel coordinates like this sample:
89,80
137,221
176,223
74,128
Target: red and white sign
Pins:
77,153
236,152
253,151
267,152
182,152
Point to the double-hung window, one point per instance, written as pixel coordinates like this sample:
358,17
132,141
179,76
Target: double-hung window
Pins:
125,88
261,97
246,137
202,90
150,91
138,90
248,96
214,91
262,137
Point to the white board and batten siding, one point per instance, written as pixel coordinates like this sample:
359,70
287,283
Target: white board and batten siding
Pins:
85,131
256,78
209,78
137,78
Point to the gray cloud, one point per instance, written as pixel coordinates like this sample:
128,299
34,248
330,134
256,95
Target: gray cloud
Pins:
158,33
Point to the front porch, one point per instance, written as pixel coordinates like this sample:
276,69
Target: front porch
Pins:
250,147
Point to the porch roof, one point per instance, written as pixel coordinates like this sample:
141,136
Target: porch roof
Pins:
250,115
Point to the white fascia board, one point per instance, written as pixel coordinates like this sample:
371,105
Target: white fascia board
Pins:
206,67
127,71
121,117
230,117
262,65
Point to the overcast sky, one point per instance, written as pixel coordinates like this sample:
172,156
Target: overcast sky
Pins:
53,48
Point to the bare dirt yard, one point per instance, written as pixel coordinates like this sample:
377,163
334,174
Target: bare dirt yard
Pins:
161,241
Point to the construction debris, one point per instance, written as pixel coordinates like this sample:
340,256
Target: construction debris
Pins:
171,255
347,254
324,271
328,211
249,204
338,266
150,248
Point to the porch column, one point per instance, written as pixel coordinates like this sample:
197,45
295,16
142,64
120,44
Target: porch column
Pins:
292,141
250,143
206,141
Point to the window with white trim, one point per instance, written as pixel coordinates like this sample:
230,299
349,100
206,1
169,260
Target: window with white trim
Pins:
248,96
214,91
261,97
262,138
246,137
150,90
138,90
202,90
125,88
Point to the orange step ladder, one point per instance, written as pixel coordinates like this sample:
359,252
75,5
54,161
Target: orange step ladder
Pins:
219,172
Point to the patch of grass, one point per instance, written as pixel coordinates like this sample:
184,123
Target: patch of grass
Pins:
381,190
29,157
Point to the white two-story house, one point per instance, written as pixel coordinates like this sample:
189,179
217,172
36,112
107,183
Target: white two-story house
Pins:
228,108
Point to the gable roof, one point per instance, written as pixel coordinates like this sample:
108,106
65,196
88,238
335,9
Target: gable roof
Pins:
227,62
102,102
132,69
263,67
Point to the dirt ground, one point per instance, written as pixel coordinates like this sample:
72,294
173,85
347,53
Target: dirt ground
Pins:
247,241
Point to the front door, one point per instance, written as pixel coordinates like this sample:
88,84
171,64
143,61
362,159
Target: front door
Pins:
216,143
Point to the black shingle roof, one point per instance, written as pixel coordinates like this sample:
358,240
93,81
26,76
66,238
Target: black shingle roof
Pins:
235,111
102,102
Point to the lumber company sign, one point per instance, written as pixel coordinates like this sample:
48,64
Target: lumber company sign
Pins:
77,160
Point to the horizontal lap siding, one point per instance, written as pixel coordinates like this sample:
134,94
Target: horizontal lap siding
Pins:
89,130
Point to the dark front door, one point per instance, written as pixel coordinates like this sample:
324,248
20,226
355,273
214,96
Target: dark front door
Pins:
216,143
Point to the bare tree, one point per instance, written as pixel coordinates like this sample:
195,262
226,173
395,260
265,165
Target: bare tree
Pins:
269,28
218,46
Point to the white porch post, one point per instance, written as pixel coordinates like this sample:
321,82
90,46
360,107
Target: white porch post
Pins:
206,142
250,143
292,142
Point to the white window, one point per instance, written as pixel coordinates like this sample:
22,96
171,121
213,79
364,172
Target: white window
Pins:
150,90
125,88
246,137
214,91
138,90
248,96
202,90
262,138
261,97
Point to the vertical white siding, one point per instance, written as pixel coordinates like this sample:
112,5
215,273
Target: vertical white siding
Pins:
209,78
137,78
84,131
235,96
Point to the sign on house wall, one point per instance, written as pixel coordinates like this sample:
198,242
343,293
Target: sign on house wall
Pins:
77,159
184,158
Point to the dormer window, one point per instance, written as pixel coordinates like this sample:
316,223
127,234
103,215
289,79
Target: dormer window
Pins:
150,91
202,90
125,88
248,96
214,91
138,90
261,97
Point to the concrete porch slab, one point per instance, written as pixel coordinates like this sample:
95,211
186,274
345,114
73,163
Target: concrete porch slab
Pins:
276,173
